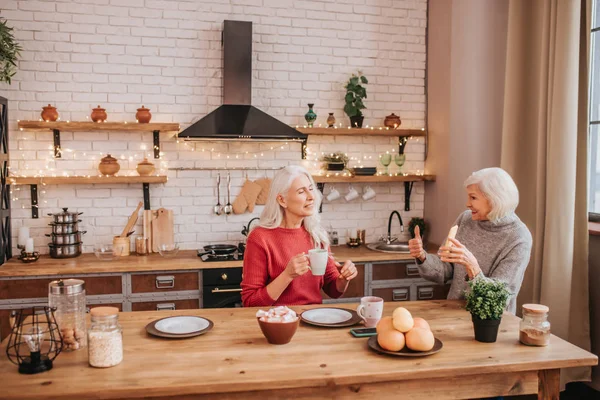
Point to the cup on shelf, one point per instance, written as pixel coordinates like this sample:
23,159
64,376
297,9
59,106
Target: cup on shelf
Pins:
333,194
352,194
369,193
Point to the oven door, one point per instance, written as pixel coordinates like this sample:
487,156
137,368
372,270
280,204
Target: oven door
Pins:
222,296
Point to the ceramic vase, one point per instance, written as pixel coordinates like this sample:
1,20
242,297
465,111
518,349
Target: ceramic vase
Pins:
49,113
330,121
143,115
98,114
392,121
109,165
145,168
310,116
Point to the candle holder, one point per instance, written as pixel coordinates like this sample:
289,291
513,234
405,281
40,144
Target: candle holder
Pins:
28,257
34,331
353,242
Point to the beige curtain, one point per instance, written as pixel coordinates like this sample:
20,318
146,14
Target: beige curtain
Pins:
544,147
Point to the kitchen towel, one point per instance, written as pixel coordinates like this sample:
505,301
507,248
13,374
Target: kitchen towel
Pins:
247,197
265,184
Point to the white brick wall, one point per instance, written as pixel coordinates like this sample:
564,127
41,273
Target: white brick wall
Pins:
167,55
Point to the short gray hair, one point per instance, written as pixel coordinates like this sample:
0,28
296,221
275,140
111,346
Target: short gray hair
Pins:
499,188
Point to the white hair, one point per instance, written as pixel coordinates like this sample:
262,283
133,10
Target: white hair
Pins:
499,188
272,215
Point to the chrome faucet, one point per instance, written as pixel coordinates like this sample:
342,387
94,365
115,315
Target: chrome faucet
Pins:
246,229
389,238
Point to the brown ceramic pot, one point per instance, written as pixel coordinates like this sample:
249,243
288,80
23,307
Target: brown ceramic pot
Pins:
109,165
330,120
278,332
98,114
49,113
145,168
392,121
143,115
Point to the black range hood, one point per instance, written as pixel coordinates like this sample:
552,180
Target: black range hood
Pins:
237,118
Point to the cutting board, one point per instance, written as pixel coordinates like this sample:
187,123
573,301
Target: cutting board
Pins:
162,228
147,228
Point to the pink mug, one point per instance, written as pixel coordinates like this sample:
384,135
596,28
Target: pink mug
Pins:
370,310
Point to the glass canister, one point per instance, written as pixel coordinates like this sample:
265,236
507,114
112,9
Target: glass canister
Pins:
105,338
534,328
68,296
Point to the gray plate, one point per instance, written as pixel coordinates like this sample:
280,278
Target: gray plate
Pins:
405,352
150,328
353,320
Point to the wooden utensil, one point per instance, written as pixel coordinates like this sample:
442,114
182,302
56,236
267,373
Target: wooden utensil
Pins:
132,220
162,229
147,226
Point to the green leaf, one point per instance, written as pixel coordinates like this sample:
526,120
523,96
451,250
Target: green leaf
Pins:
359,104
350,110
349,97
364,80
354,80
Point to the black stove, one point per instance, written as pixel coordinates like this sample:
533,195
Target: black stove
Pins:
237,256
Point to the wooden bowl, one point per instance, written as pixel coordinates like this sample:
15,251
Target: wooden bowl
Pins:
279,332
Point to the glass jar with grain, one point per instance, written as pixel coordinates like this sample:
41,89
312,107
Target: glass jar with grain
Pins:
105,338
534,328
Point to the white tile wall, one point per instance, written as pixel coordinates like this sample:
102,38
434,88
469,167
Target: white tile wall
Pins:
167,55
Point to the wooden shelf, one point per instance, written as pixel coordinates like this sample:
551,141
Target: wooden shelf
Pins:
100,126
372,178
77,180
362,132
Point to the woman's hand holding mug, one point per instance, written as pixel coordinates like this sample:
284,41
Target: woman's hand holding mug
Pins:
297,266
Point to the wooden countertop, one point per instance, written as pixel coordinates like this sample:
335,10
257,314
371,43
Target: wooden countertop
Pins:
185,260
235,357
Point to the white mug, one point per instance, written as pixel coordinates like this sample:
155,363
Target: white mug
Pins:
318,260
368,194
333,194
370,310
351,195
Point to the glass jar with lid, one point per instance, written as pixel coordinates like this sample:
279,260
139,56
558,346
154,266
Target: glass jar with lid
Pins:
68,297
534,328
105,338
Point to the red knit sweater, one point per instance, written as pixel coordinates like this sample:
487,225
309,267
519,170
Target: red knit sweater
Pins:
268,252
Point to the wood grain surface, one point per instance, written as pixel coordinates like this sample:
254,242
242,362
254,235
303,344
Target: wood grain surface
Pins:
234,360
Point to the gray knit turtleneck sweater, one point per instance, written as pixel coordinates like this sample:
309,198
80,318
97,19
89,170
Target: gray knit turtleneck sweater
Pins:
501,249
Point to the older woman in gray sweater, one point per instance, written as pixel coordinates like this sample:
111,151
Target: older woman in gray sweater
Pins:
491,241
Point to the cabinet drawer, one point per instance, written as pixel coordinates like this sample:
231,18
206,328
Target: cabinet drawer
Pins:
36,288
166,305
356,287
400,293
400,270
432,292
164,282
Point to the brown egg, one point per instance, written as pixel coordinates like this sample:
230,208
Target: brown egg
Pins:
420,339
421,323
403,321
384,324
391,340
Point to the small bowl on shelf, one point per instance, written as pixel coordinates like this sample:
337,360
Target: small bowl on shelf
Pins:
168,250
104,252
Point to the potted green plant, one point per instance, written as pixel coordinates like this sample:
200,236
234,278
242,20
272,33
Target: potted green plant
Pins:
486,301
9,52
355,93
335,161
416,221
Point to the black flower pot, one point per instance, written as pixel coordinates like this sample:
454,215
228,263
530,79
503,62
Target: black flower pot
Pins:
486,330
356,121
333,166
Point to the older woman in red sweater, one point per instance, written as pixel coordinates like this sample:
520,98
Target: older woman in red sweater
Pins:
276,264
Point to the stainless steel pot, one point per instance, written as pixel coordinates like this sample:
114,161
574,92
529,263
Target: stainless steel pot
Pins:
67,238
65,250
65,217
61,229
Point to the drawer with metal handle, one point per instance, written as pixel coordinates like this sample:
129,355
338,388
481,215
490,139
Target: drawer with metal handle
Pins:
425,293
412,270
174,281
217,290
402,294
168,305
165,306
165,282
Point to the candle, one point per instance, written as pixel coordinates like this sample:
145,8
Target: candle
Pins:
23,235
353,233
29,245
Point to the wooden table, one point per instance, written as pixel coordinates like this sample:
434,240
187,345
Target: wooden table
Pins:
235,361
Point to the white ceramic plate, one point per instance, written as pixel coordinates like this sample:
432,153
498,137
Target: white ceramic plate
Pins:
181,325
327,315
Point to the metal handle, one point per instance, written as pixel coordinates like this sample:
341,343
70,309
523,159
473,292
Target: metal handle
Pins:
224,277
165,306
217,290
165,282
424,293
400,294
412,270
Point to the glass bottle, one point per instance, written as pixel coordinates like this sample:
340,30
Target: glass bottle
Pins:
334,238
68,297
105,338
534,328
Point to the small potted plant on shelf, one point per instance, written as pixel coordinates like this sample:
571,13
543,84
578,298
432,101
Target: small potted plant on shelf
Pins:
355,93
335,161
486,301
416,221
9,52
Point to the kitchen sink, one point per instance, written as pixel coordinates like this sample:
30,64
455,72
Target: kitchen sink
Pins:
395,247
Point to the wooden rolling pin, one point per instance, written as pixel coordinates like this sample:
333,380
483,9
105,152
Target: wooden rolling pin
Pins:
132,220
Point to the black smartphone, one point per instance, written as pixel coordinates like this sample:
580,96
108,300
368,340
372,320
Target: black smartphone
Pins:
363,332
